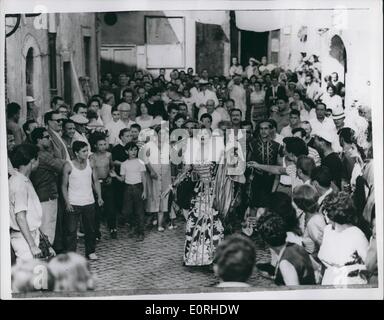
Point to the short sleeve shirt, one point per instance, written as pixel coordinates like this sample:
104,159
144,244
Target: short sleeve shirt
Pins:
131,170
23,197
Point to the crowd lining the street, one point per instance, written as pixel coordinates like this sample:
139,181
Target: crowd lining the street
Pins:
306,187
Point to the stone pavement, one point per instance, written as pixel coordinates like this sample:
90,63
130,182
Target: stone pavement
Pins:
155,263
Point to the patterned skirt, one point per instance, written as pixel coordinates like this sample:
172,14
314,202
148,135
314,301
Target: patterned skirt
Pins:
204,230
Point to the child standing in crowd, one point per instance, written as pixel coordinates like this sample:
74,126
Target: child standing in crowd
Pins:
132,173
101,160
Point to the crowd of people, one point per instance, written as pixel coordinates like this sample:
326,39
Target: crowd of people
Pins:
262,152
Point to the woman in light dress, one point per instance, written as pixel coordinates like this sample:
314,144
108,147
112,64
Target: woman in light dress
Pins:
257,99
344,247
144,119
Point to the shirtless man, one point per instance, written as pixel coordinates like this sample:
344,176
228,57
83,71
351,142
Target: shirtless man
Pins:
102,162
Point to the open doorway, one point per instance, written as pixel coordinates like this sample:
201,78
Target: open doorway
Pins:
253,44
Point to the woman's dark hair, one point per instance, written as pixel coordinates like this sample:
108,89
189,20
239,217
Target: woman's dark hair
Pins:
349,136
235,258
281,204
305,197
340,208
37,133
131,145
78,145
272,228
12,109
79,105
91,114
22,154
94,99
179,116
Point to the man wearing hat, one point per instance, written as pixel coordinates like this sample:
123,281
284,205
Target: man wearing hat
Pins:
205,94
81,129
32,110
252,69
238,94
323,144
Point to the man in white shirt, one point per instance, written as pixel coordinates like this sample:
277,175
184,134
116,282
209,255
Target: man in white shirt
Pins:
322,124
210,109
114,127
125,110
313,90
238,94
24,204
205,94
106,108
294,122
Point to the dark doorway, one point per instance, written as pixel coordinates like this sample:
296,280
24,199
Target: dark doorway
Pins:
253,44
210,39
67,83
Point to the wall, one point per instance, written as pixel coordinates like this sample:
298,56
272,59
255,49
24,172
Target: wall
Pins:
70,29
130,29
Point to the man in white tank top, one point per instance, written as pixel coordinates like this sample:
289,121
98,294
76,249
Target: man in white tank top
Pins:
79,180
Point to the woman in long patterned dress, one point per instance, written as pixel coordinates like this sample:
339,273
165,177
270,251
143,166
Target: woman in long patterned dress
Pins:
204,230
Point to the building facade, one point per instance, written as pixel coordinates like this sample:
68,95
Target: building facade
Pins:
52,54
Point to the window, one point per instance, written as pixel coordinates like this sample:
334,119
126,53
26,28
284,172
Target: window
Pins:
52,62
165,42
67,83
87,55
275,46
29,72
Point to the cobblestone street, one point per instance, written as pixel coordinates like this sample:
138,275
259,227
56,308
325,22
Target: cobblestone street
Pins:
155,263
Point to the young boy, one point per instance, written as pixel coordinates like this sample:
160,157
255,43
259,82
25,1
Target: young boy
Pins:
132,173
101,160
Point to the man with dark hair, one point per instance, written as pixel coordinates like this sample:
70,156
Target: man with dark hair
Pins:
80,108
25,208
45,180
329,158
10,146
274,92
119,155
128,96
294,122
122,85
274,135
321,123
53,120
56,102
338,84
154,104
69,131
281,114
321,179
28,127
135,131
79,178
286,167
264,151
236,116
13,118
305,166
313,90
312,152
234,261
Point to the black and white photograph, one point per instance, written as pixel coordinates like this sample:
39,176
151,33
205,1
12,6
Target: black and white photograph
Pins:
184,149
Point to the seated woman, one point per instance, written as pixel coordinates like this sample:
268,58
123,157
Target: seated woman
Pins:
294,266
344,247
234,261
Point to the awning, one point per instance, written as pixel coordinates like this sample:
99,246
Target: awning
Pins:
262,21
